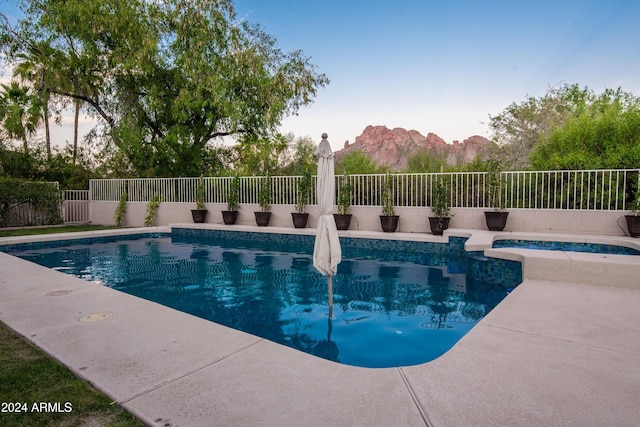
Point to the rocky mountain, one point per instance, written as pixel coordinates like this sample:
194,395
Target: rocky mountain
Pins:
394,147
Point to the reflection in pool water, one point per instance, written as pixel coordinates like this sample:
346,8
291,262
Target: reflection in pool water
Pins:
386,313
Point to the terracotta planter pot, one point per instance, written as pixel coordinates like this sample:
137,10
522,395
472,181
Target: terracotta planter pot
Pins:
633,224
199,215
229,217
262,218
389,223
496,220
299,219
438,225
342,221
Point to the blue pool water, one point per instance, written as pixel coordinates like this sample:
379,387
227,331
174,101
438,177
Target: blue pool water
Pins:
597,248
395,303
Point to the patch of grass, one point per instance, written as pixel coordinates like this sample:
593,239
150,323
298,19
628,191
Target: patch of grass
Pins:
29,376
29,231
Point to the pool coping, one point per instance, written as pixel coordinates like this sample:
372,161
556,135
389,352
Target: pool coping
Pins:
478,240
554,352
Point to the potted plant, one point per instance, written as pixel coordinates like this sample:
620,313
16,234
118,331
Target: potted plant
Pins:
440,208
496,219
633,220
300,217
199,214
230,216
388,219
264,200
343,217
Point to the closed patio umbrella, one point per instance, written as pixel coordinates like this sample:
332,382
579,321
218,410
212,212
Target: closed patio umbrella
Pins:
327,253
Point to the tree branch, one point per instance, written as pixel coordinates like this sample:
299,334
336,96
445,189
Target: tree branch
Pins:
110,120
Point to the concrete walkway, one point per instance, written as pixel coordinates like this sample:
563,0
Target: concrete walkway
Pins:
553,353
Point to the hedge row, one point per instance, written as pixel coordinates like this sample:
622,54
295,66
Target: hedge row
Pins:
28,203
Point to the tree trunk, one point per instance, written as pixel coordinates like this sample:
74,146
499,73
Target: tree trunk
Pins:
45,113
76,102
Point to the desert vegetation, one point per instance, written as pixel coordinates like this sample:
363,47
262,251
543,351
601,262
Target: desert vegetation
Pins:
182,88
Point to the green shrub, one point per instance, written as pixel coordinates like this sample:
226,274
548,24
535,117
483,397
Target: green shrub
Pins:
28,203
152,209
121,209
234,194
264,194
387,196
344,195
200,194
440,200
304,191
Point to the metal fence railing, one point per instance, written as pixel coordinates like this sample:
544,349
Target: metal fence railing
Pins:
75,206
574,190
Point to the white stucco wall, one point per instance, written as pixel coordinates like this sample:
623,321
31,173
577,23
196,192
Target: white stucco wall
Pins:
367,218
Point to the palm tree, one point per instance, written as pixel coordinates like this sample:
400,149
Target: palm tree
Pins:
19,112
32,69
69,88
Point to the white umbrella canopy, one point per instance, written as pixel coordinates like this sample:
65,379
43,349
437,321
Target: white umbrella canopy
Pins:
327,253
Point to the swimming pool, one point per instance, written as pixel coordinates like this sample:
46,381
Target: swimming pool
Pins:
395,303
598,248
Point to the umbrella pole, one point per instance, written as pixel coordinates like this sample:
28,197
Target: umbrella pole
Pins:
330,298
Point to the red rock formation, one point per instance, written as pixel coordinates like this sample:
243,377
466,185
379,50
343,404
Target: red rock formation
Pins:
394,147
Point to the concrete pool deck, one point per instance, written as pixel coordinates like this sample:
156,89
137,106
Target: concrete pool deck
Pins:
553,353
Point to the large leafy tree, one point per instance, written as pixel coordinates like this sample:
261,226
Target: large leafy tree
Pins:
570,128
257,155
165,78
521,126
302,156
605,133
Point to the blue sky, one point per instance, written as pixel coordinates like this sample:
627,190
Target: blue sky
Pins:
445,66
